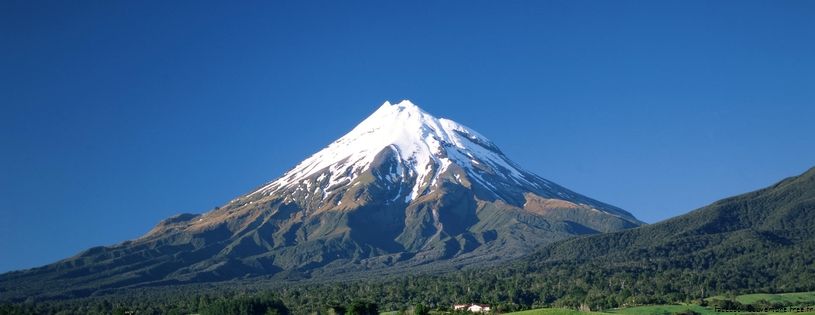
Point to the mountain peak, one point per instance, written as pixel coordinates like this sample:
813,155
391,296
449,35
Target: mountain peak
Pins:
425,152
404,104
421,141
404,115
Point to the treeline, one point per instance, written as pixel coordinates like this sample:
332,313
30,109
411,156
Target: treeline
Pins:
521,286
355,308
264,303
760,242
642,279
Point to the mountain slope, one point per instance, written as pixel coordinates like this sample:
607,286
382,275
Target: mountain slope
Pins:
402,190
782,214
756,242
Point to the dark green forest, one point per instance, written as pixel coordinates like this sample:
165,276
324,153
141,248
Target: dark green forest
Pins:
759,242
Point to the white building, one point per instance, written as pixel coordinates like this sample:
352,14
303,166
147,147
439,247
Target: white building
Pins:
475,308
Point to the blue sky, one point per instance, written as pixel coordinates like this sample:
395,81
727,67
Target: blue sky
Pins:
117,114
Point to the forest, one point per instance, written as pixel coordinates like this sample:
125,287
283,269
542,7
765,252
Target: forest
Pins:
760,242
523,285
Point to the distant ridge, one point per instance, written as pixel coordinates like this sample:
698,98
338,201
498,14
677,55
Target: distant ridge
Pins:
778,216
758,242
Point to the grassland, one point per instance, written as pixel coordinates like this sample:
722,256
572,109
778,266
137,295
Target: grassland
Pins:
660,309
803,298
639,310
670,309
549,311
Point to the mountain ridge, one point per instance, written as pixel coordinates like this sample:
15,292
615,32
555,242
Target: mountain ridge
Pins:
744,212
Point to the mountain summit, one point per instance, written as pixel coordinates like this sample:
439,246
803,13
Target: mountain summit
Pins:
402,190
415,154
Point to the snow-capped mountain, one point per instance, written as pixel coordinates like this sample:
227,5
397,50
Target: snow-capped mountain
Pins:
402,190
402,187
425,152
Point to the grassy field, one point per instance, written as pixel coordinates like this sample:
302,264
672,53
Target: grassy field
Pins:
670,309
549,311
639,310
802,297
781,297
660,309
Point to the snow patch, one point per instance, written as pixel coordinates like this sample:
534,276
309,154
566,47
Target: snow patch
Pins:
424,146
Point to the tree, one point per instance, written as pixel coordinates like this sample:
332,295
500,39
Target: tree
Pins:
420,309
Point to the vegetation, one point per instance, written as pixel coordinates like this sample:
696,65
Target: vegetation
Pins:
548,311
265,304
786,298
760,242
420,309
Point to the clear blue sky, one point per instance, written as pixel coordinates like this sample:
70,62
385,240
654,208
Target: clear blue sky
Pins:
117,114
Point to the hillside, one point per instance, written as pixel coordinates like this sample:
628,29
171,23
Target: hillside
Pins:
760,241
746,226
756,242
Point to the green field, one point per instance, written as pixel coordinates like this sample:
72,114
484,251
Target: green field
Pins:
549,311
781,297
802,297
670,309
660,309
639,310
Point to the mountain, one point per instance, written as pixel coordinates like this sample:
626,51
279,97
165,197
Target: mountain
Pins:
402,190
774,217
758,242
